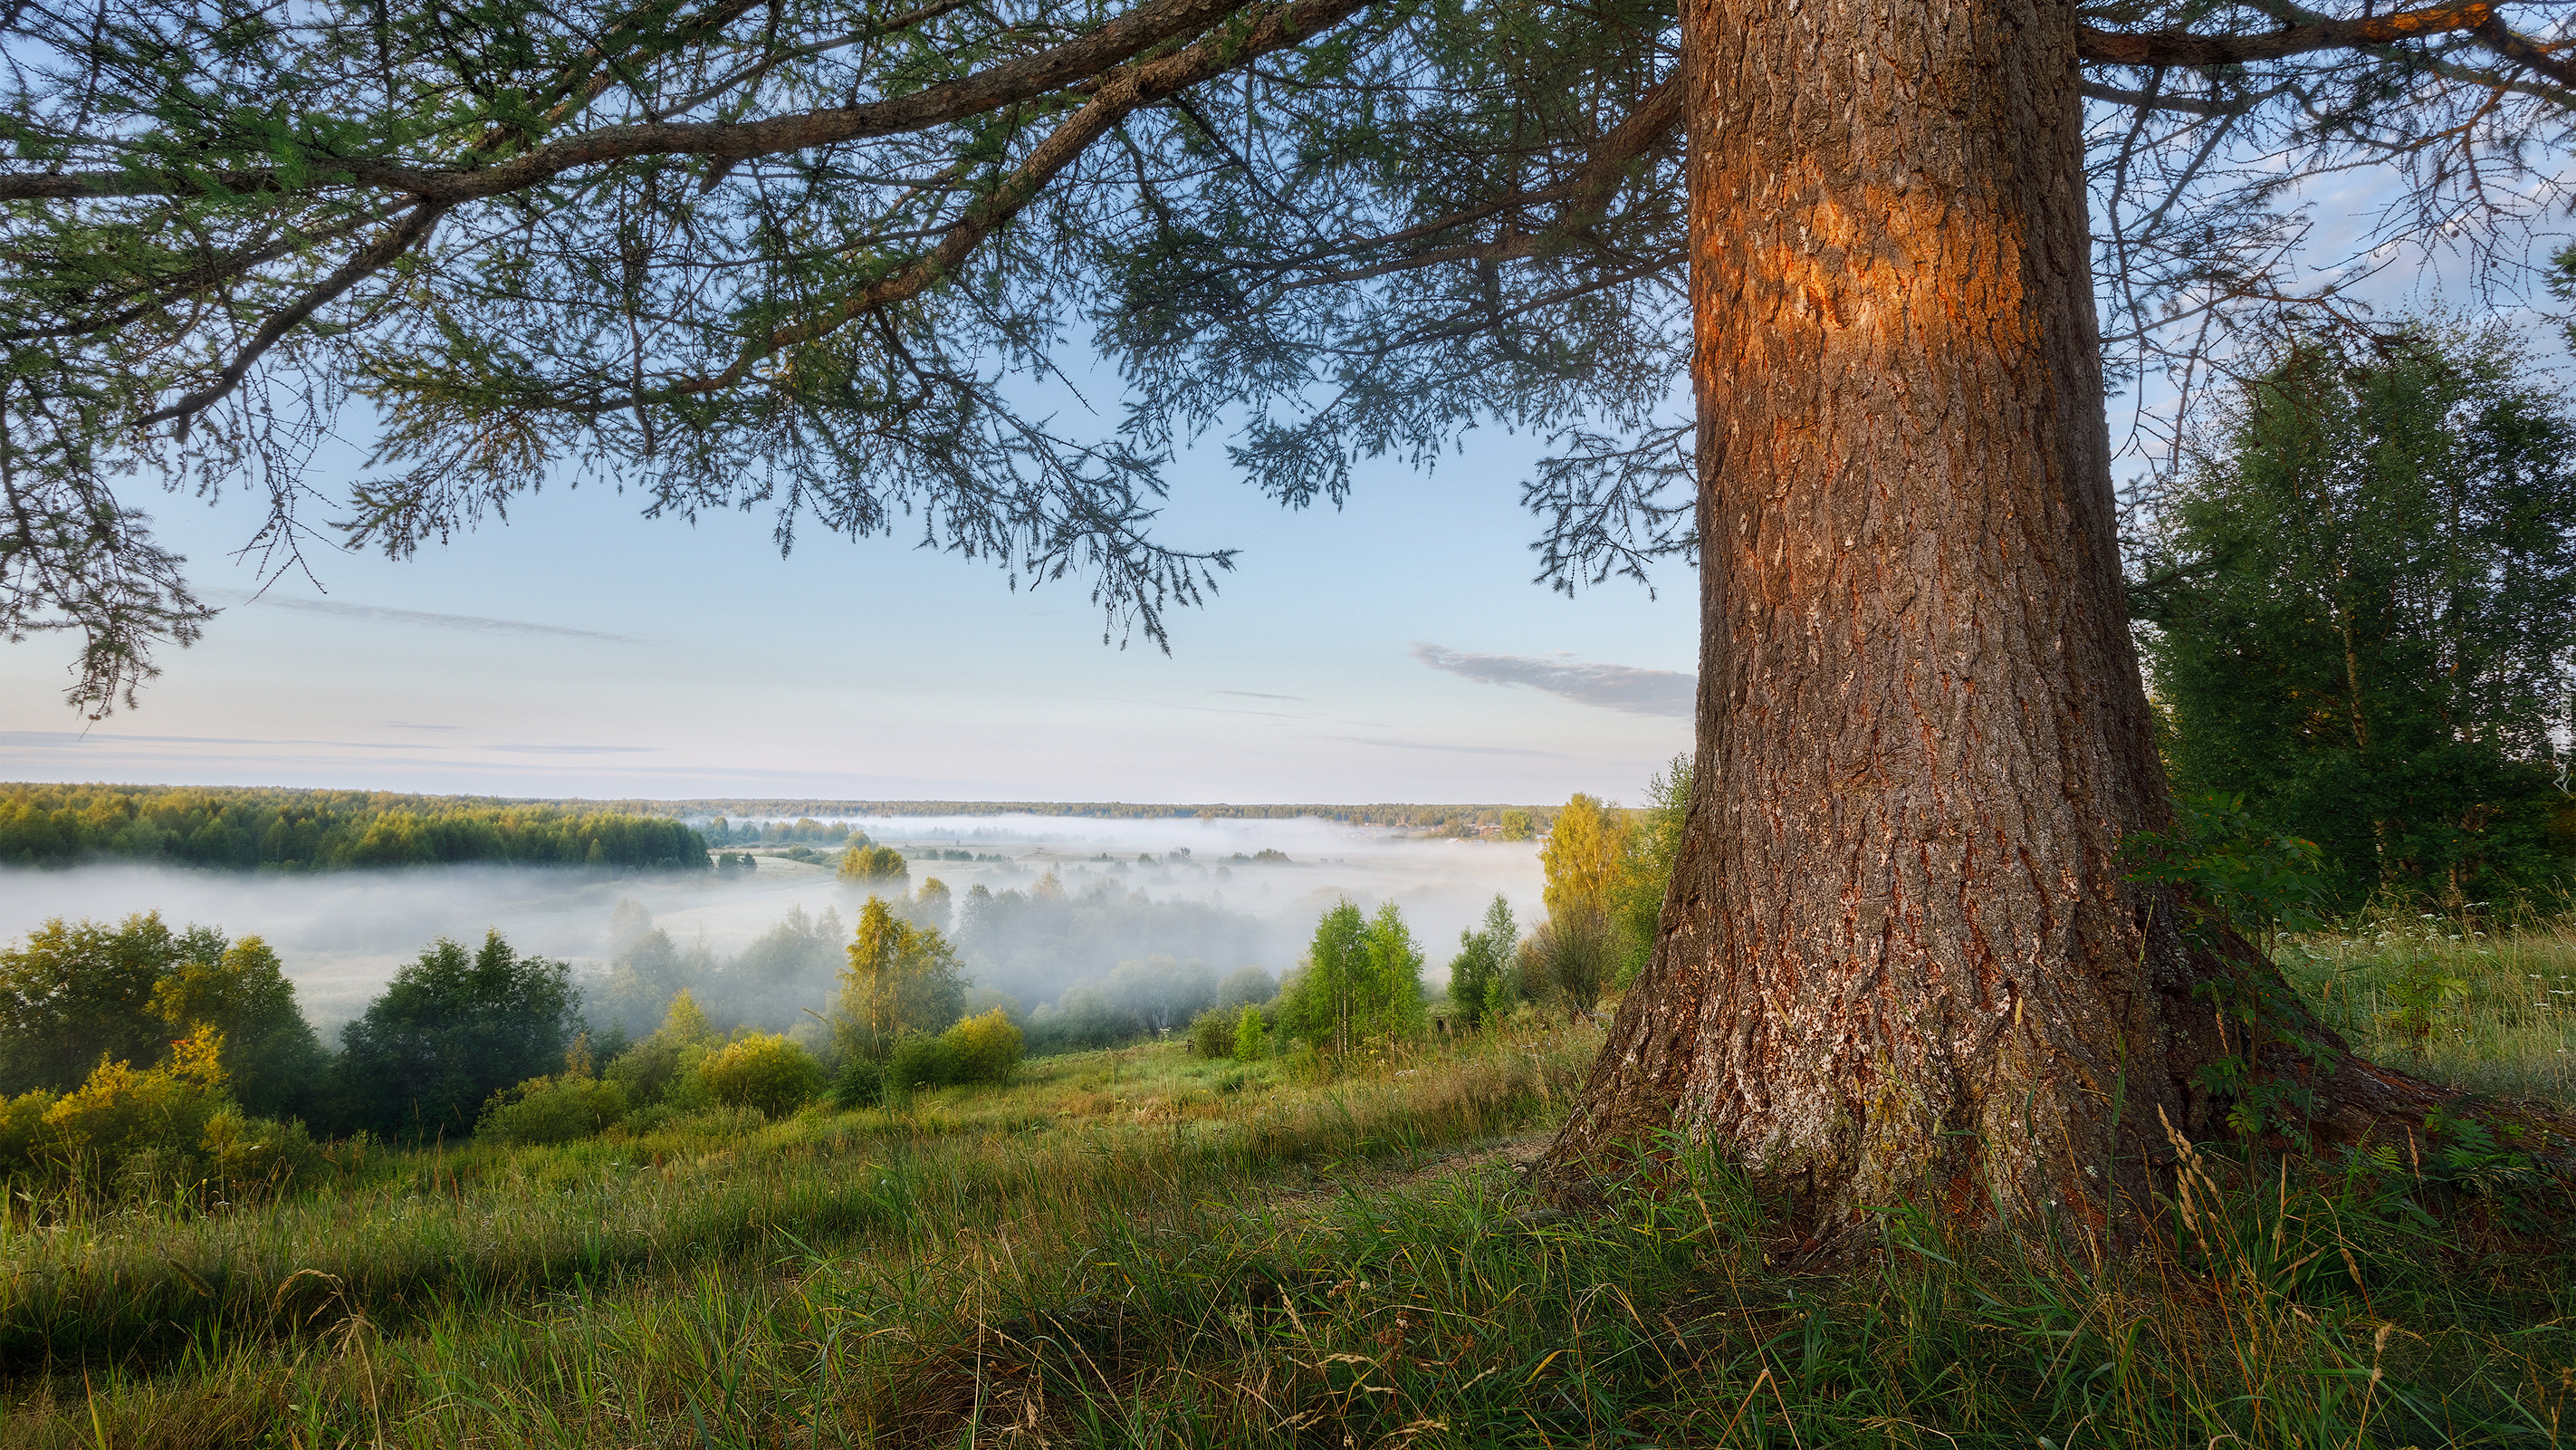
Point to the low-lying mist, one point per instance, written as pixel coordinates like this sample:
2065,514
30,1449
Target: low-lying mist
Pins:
763,947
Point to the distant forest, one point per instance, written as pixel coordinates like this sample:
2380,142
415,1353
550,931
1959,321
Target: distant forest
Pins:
322,830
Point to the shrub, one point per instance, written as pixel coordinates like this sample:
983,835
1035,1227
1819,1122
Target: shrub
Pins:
918,1061
1251,1036
251,1155
660,1069
985,1048
859,1084
152,1118
1212,1034
765,1072
561,1109
22,1129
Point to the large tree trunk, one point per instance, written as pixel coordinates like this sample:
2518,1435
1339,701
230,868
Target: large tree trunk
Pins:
1899,961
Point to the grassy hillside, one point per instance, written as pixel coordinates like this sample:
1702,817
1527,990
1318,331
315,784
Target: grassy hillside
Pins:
238,829
1140,1247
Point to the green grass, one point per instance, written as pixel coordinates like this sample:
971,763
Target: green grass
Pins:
2479,1004
1137,1248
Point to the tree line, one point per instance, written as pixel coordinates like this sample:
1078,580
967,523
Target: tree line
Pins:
225,829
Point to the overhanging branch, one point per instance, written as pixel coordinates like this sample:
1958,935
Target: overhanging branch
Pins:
2184,48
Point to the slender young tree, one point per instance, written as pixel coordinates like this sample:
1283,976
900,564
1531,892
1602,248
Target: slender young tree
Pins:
1325,1001
1484,956
1391,998
735,254
901,979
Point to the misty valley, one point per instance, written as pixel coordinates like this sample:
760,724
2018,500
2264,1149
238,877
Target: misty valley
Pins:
156,1018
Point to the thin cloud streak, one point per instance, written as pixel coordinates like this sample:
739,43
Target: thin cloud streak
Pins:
475,623
72,739
1612,687
1451,749
580,749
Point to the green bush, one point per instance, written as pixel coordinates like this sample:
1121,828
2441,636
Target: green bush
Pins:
919,1061
22,1130
561,1109
254,1156
1251,1036
986,1048
765,1072
1212,1034
859,1084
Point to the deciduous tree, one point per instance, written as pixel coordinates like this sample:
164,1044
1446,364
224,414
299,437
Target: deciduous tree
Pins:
451,1029
1484,956
274,1063
900,979
2364,592
75,994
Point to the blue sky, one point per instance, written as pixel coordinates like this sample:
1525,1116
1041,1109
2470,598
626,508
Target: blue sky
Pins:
1393,650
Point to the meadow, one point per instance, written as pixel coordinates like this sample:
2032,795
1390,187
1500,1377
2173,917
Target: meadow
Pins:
1143,1247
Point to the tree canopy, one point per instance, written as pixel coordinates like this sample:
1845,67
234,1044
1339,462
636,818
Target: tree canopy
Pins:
901,979
451,1029
817,257
2364,592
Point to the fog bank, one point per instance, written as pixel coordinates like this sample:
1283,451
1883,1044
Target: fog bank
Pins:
341,934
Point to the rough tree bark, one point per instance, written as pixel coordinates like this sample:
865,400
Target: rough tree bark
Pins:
1899,961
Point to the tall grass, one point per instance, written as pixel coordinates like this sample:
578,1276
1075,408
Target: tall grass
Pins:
2477,1001
1142,1248
492,1228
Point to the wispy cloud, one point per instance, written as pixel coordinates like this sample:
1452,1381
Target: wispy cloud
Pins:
1258,695
70,739
1612,687
1450,749
407,725
475,623
579,749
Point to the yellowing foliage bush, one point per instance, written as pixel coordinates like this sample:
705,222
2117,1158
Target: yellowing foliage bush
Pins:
124,1117
985,1048
559,1109
763,1071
